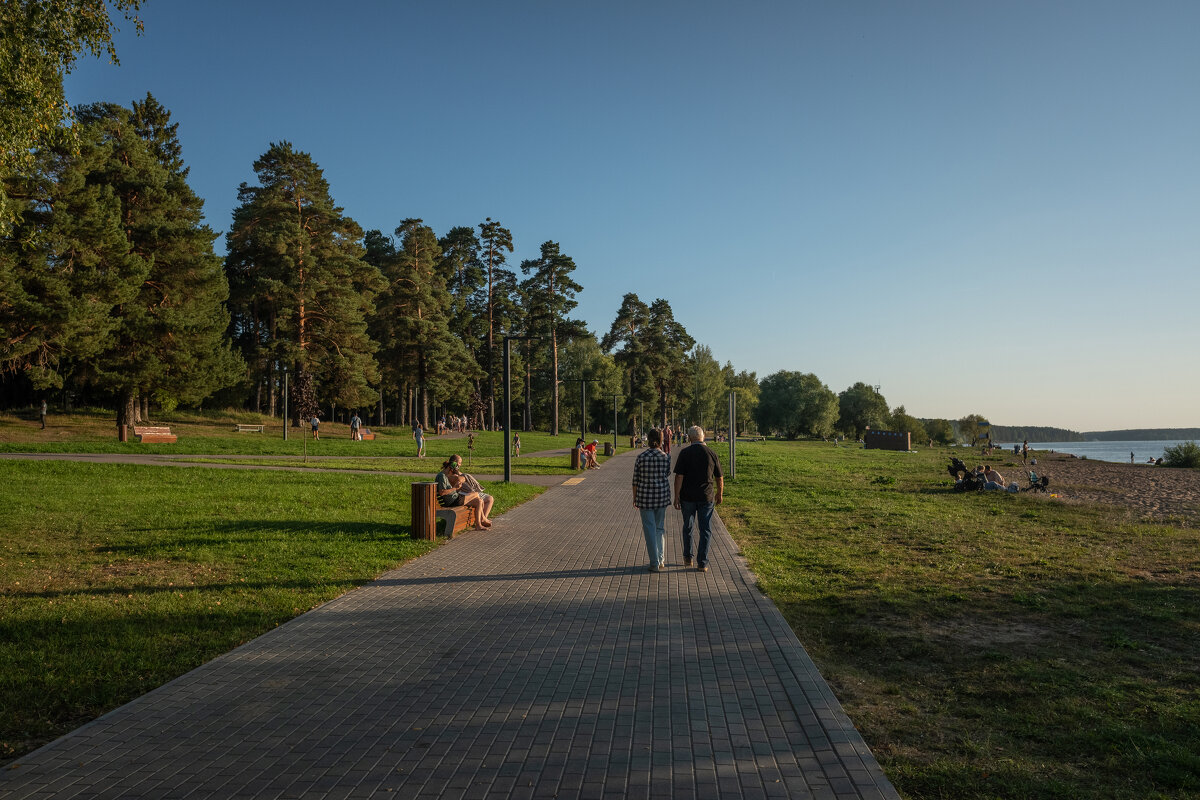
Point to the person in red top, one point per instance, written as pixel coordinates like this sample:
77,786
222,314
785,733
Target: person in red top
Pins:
667,439
589,451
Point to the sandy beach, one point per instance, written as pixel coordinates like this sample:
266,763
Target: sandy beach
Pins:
1154,492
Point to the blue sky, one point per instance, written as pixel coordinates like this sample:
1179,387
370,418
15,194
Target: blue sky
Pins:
981,207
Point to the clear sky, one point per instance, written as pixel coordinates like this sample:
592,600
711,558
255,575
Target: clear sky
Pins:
981,207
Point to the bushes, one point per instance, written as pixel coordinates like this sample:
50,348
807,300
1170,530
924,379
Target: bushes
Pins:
1185,454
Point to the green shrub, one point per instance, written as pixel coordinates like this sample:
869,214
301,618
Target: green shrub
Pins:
1185,454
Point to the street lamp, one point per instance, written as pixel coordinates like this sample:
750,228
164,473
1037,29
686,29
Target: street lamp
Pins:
508,404
732,435
615,396
285,416
582,401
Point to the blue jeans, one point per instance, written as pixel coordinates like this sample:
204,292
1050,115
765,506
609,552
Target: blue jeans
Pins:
703,512
654,528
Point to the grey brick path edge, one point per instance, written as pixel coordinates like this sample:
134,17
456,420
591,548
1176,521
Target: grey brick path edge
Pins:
539,659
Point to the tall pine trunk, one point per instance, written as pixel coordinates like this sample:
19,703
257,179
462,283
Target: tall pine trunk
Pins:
554,360
527,412
126,407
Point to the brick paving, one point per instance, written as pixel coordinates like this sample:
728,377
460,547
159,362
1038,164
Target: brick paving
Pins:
540,659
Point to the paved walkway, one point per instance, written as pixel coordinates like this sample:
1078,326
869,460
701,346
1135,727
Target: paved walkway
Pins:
539,659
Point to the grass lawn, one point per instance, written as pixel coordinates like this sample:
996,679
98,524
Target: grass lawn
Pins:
116,578
211,433
986,645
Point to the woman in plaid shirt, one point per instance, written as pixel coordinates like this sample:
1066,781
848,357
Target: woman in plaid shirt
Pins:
652,495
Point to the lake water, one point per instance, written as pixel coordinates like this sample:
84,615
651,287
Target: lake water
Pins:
1104,451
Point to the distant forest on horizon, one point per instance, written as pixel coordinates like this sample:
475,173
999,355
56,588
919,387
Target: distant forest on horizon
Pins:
1011,433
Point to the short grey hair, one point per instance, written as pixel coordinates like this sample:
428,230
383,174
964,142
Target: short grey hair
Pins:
696,434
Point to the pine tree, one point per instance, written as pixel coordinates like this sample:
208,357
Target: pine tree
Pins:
170,341
653,348
495,240
626,332
64,266
424,351
460,268
551,292
185,294
301,292
380,252
665,345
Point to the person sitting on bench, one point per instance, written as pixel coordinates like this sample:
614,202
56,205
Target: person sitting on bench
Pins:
469,484
589,451
451,493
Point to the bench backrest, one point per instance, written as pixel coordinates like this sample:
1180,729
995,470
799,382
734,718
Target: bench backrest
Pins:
140,431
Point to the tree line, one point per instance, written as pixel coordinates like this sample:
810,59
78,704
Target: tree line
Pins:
111,292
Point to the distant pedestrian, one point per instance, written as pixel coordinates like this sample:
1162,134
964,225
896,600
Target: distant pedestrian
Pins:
43,415
419,436
1025,452
699,485
355,428
516,445
316,427
666,432
651,496
1130,456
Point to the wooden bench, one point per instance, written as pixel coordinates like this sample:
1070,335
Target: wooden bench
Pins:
365,435
154,434
456,519
426,513
249,428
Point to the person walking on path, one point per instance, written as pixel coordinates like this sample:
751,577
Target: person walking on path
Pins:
651,496
419,436
43,415
316,427
516,445
699,485
355,426
666,432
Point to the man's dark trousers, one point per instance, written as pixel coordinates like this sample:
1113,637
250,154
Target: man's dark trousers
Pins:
701,512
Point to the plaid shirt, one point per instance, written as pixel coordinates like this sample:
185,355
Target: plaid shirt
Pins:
652,479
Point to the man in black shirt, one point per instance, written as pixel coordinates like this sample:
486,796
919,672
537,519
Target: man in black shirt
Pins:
699,485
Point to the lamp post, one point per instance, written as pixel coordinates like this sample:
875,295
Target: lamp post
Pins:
582,401
285,393
508,404
615,396
732,435
583,382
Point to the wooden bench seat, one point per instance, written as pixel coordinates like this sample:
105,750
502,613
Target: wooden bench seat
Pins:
148,434
456,518
249,428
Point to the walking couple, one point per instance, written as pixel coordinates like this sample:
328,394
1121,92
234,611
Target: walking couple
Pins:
699,485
